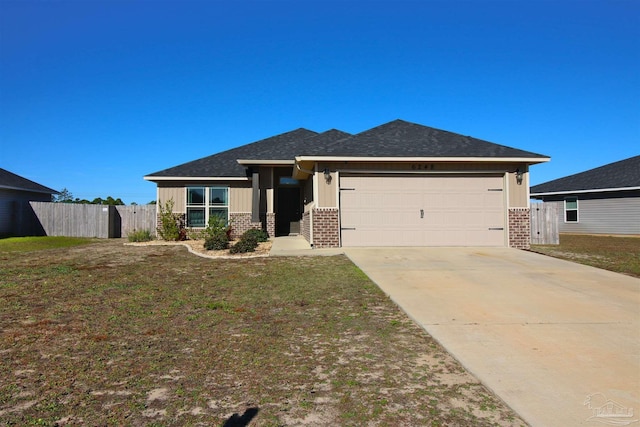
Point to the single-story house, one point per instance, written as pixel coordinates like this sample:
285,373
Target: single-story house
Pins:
15,192
604,200
398,184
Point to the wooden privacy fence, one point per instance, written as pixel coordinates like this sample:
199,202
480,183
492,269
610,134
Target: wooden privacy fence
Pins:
80,220
544,224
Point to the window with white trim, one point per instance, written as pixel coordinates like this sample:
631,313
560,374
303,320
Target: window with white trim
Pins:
205,202
571,209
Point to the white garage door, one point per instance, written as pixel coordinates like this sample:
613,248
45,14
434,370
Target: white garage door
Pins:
422,211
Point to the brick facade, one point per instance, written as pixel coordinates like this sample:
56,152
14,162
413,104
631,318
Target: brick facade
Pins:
270,219
241,222
326,228
519,228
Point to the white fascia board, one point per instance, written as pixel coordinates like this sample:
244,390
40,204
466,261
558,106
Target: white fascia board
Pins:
528,160
265,162
597,190
195,178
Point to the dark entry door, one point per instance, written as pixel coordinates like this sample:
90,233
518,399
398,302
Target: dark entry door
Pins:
289,211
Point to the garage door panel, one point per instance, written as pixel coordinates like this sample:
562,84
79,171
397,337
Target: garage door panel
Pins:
422,211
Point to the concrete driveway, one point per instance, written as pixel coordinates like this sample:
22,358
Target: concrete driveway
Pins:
555,340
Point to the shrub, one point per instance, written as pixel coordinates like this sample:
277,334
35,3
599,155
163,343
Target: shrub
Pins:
258,234
215,226
245,244
217,242
171,225
140,236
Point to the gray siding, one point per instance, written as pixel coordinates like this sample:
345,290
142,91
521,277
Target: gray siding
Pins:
11,201
603,216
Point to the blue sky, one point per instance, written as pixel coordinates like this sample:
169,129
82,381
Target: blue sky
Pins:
96,94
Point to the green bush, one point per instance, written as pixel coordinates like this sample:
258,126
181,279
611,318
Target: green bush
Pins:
171,225
259,235
217,242
140,236
215,226
245,244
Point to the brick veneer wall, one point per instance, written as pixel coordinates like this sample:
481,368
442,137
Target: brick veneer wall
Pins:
305,226
519,228
241,222
270,219
326,228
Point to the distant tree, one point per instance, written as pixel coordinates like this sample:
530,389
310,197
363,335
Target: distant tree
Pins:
134,204
65,196
111,201
153,202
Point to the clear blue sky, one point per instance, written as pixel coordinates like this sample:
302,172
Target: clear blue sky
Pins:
96,94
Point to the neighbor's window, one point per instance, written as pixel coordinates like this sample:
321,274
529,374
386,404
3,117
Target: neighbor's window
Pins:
571,209
204,202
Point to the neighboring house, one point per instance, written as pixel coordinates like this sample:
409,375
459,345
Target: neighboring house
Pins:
15,192
604,200
398,184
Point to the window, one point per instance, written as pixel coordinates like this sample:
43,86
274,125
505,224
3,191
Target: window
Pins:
204,202
571,209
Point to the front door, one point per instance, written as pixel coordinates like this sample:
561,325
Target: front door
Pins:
288,211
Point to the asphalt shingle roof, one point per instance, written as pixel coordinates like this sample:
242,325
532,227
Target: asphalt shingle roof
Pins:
404,139
394,139
621,174
224,164
11,181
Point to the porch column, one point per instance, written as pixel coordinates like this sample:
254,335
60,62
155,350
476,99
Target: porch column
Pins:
255,204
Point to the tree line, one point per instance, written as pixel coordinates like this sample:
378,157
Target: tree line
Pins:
66,196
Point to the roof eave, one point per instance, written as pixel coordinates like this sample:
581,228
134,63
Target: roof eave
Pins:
529,160
596,190
265,162
30,190
194,178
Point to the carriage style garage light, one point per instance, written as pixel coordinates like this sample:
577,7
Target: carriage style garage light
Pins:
519,175
327,175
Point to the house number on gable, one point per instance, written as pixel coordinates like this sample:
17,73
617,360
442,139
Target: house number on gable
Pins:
420,167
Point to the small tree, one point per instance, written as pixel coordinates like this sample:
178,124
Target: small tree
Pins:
65,196
171,226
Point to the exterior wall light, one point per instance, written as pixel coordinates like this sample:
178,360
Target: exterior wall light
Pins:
519,175
327,175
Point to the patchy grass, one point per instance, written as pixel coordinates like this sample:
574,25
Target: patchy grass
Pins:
107,334
619,254
26,244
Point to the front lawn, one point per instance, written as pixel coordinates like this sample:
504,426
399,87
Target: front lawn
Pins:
108,334
619,254
25,244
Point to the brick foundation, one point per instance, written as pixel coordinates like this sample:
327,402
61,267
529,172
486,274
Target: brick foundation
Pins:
326,228
270,219
241,222
519,228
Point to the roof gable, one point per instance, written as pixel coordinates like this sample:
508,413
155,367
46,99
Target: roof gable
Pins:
617,175
11,181
400,138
